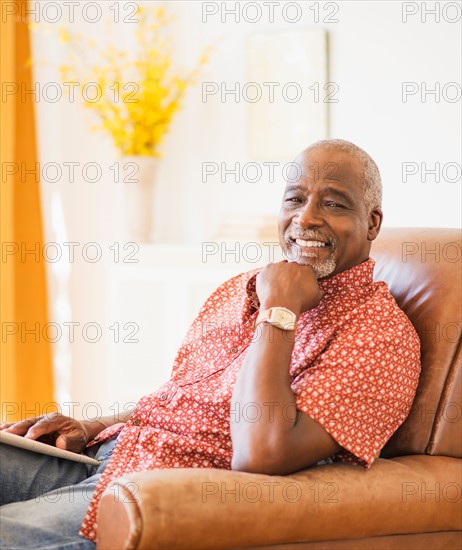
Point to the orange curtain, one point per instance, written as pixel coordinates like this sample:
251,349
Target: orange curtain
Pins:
26,380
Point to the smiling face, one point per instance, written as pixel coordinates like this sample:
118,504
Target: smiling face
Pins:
323,221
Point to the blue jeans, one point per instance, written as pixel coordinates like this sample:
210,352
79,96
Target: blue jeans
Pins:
44,499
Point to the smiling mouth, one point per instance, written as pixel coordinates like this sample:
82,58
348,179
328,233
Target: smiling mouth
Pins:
309,248
311,244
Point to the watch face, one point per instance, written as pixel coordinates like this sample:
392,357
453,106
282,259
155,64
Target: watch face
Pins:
282,317
285,319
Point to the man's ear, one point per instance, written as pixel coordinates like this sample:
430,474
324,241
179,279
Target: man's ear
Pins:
375,223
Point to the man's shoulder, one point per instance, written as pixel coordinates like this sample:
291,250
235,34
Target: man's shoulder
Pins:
383,308
239,281
230,293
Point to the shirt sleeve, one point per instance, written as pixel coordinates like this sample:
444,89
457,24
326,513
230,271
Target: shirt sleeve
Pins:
361,387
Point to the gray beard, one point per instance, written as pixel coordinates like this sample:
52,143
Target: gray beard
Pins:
322,268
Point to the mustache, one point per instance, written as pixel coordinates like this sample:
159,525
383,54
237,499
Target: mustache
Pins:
310,235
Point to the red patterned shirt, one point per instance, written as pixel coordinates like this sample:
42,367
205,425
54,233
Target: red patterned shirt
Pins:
354,367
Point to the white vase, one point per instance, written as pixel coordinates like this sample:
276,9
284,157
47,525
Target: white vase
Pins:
139,178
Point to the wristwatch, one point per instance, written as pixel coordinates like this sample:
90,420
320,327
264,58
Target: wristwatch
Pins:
280,317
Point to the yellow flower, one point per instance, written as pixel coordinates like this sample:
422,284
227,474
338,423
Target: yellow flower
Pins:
139,93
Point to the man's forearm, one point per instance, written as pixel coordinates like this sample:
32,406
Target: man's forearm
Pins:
263,404
269,434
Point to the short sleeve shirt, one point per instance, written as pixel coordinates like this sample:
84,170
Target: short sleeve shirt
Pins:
354,369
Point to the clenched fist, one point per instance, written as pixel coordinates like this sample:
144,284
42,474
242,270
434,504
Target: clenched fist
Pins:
290,285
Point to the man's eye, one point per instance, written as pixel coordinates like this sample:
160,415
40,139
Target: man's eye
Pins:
333,204
293,199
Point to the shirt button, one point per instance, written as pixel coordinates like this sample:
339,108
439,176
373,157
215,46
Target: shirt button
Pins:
233,350
164,396
137,422
198,376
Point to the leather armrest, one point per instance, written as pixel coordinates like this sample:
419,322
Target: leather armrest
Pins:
213,509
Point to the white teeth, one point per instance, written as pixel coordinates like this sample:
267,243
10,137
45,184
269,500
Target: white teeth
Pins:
311,244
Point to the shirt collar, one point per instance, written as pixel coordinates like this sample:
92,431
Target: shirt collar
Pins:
357,276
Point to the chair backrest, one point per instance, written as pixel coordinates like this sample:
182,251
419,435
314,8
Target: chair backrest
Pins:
422,267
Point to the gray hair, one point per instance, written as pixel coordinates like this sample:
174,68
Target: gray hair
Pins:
372,182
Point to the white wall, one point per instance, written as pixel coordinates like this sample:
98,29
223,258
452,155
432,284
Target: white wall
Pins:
372,52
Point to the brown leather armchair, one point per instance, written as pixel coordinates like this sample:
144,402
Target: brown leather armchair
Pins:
410,498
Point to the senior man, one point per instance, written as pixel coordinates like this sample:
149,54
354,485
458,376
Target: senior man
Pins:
300,362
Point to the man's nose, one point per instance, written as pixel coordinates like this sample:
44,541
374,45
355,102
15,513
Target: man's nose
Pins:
309,215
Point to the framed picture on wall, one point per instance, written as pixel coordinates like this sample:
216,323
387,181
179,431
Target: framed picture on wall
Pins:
288,92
